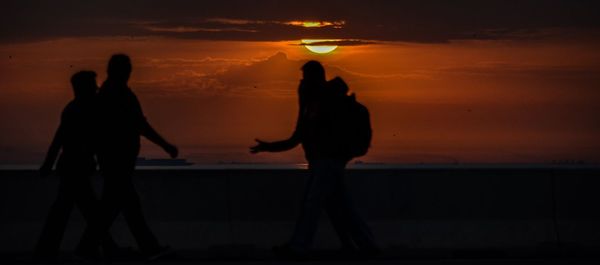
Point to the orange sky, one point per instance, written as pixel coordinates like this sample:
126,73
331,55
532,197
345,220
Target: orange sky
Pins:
491,101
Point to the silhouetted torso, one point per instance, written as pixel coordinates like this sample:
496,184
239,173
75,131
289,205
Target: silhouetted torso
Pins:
317,127
120,121
77,134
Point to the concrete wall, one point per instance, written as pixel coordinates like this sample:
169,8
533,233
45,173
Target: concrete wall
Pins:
414,208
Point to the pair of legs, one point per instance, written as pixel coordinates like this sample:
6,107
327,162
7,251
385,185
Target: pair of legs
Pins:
326,190
74,190
119,196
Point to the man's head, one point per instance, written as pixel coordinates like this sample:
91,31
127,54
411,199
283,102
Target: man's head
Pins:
119,67
313,71
84,84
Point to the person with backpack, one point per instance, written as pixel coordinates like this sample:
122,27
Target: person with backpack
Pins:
333,128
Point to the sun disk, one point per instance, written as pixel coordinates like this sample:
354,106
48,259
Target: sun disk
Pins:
320,49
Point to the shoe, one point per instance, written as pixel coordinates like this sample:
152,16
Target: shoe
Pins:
287,251
163,252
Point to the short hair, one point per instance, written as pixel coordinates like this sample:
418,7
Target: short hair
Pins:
82,77
314,69
119,65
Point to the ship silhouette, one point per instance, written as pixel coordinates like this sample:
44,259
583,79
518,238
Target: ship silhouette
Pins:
142,161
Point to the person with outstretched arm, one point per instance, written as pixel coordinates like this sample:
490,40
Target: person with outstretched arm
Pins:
324,128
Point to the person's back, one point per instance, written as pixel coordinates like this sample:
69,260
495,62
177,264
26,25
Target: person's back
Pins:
348,125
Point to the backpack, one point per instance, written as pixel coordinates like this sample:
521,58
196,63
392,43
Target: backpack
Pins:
352,121
358,128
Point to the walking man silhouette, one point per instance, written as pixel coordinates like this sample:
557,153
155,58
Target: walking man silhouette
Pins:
121,123
74,139
321,130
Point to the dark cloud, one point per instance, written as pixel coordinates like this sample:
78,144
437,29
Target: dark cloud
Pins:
338,43
413,21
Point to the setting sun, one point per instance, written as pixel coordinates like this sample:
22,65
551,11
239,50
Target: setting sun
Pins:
316,47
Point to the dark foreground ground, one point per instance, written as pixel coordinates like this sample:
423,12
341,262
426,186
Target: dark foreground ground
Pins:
419,215
242,254
326,260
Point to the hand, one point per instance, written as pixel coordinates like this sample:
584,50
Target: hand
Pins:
171,150
46,170
260,147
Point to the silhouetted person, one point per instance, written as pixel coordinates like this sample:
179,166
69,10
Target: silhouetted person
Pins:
330,136
121,123
74,139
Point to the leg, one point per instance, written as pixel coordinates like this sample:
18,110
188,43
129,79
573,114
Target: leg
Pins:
89,206
132,211
349,219
109,208
118,196
56,222
337,216
317,191
359,230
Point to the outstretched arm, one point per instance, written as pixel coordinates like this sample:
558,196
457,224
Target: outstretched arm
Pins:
280,146
55,146
293,141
